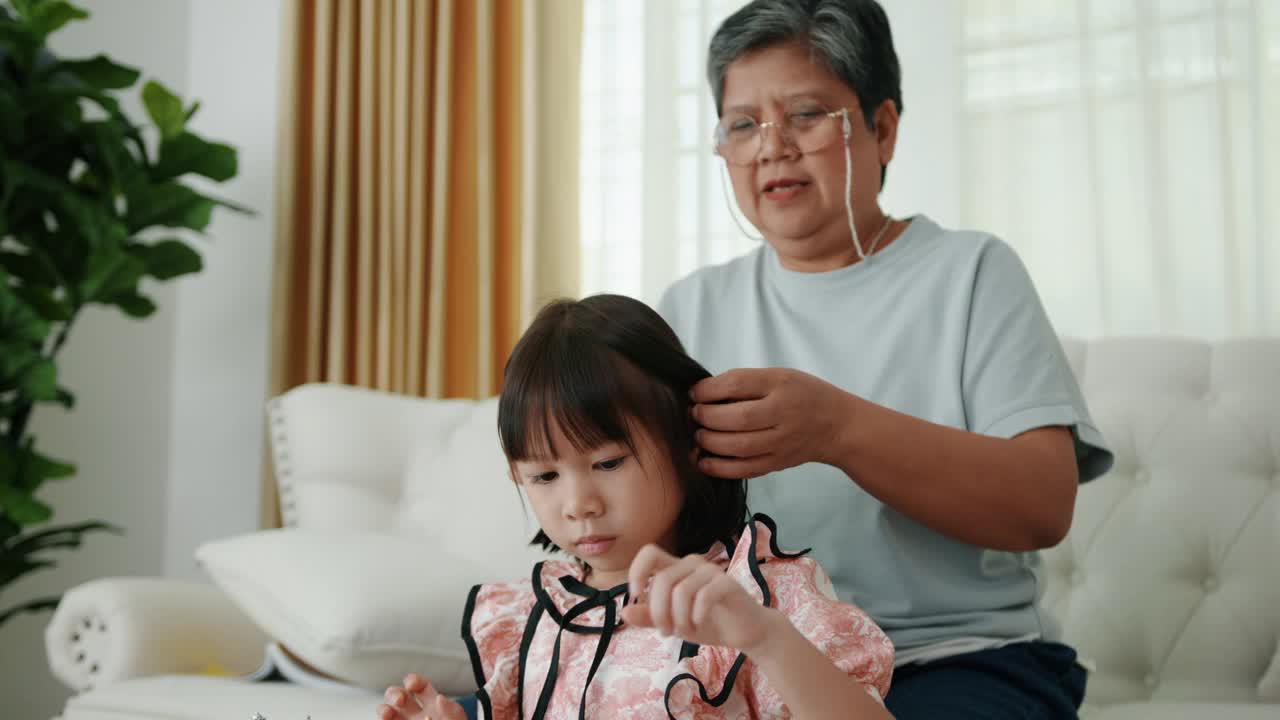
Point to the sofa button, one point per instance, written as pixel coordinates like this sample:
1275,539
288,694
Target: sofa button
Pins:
1210,584
1150,681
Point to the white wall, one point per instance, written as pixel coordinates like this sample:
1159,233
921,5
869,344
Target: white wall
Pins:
221,344
168,427
924,174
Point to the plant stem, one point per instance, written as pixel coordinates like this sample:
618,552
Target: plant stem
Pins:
18,427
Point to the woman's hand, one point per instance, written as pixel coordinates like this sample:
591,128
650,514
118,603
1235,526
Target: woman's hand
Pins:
763,420
694,599
418,700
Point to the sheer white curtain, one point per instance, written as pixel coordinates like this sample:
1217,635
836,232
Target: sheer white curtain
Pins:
1130,151
652,206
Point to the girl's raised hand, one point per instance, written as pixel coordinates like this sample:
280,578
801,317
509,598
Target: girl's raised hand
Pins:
418,700
692,598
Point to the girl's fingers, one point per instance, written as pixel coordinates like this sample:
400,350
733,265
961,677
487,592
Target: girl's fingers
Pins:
649,561
637,616
712,594
443,708
685,593
386,712
415,683
661,587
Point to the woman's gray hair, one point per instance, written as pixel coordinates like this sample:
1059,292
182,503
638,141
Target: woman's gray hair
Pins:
851,36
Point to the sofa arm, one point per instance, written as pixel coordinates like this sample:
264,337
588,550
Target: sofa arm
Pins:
113,629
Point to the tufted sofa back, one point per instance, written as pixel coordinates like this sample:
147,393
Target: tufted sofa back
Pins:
1169,581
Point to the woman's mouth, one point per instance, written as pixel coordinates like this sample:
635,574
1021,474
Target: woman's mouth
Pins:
784,188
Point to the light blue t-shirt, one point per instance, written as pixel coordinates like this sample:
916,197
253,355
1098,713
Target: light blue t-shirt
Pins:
942,325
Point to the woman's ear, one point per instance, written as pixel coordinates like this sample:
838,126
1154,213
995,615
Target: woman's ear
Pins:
886,130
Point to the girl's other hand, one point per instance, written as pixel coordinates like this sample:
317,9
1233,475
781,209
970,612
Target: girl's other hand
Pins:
418,700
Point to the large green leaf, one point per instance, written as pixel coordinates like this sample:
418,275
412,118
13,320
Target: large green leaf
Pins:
47,16
99,72
165,109
43,301
16,359
170,205
110,271
24,509
11,128
134,304
18,323
13,566
188,153
39,381
31,606
28,267
107,154
60,537
38,468
167,259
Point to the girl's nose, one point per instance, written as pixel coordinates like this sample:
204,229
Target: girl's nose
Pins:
582,501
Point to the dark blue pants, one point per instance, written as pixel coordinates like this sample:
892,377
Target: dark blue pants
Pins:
1024,681
471,705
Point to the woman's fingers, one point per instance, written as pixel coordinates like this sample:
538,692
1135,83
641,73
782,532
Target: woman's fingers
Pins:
737,416
738,468
747,444
737,384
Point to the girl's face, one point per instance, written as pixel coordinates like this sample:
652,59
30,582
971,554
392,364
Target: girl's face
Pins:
796,199
605,504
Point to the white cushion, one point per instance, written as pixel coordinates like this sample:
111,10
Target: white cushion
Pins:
181,697
365,607
1168,581
1181,711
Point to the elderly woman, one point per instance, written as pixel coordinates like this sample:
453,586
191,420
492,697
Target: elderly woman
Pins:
893,388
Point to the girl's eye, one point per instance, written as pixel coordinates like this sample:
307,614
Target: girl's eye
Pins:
611,464
543,479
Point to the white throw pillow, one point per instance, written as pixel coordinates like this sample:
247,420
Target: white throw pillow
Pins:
364,607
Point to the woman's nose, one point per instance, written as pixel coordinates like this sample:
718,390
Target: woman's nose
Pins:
774,143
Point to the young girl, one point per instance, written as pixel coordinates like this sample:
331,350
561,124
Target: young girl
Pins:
673,604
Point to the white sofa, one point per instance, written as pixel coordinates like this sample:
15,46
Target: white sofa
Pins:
1169,582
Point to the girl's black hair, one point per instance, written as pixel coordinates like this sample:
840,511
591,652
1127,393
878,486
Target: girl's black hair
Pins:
595,365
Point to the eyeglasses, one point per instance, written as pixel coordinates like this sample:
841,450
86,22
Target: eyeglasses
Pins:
738,138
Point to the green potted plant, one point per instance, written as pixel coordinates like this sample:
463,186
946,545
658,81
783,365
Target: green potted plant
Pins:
84,192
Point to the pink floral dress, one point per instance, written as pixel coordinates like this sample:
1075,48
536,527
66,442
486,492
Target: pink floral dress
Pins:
552,648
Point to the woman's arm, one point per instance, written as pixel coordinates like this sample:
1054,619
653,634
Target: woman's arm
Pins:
1006,494
1015,494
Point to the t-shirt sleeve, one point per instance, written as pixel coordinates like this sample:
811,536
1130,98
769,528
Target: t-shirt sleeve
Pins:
841,631
492,628
1015,374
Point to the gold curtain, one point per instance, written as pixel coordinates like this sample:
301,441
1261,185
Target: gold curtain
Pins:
427,197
